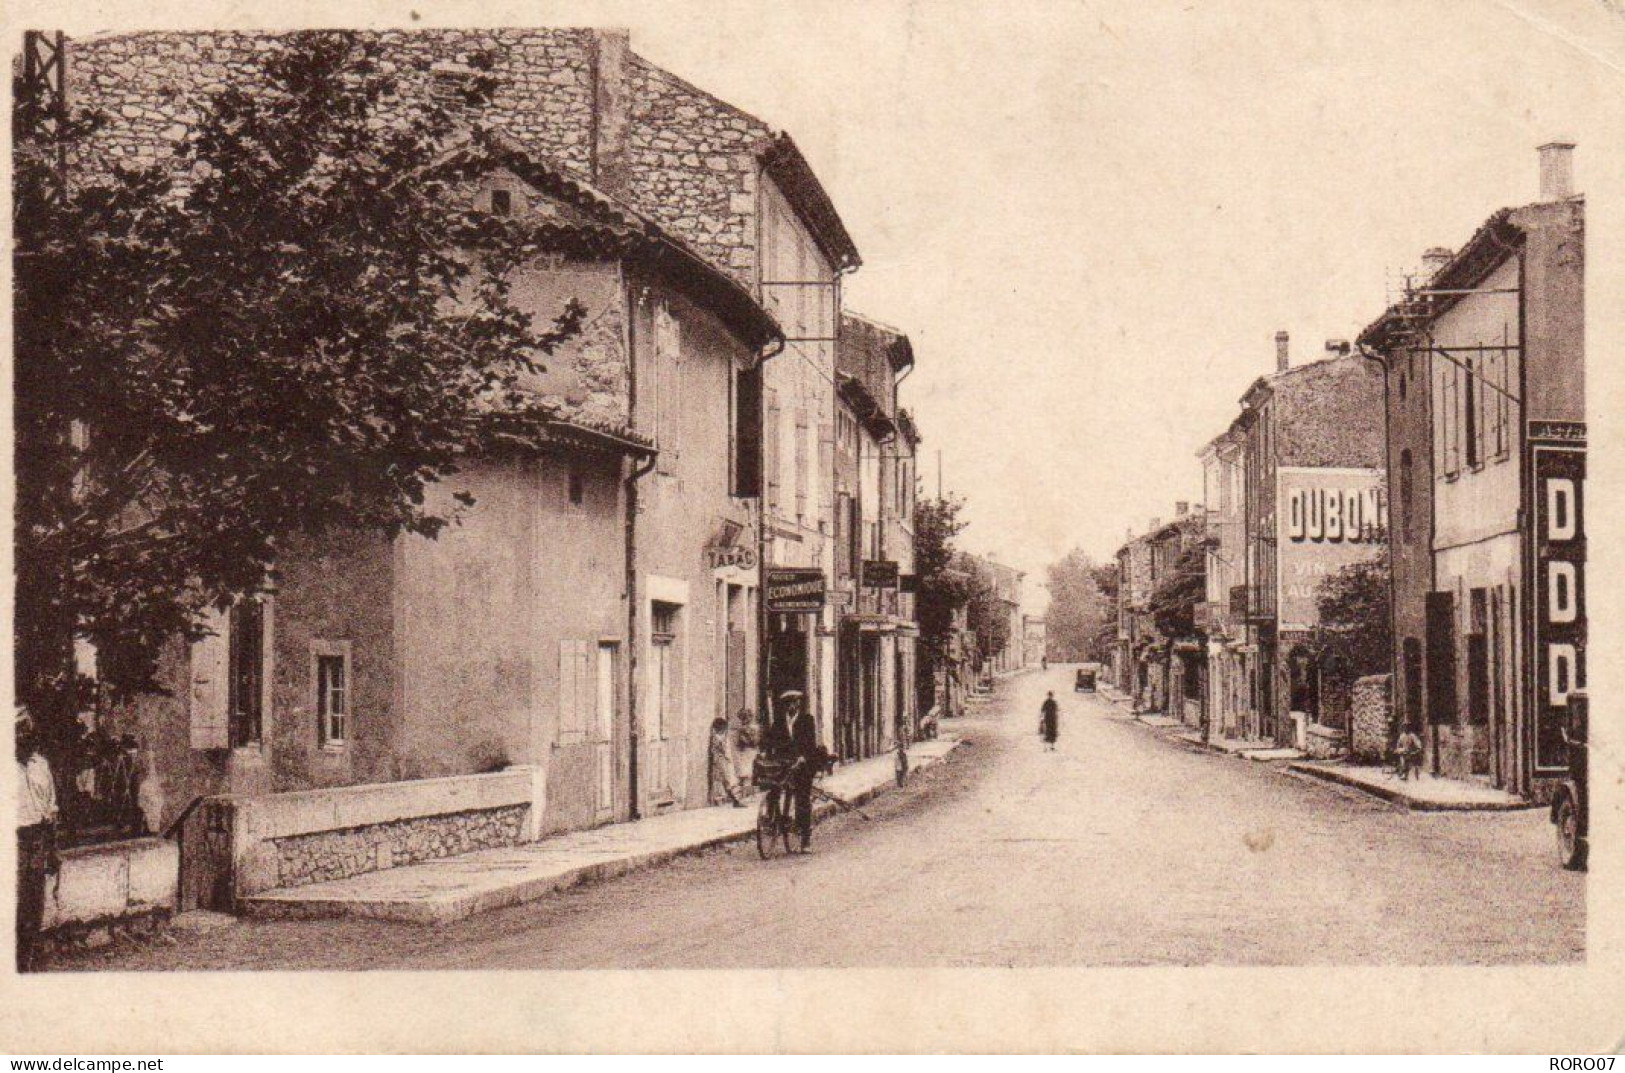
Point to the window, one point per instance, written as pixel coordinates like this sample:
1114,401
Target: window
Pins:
501,202
664,670
246,674
332,695
577,485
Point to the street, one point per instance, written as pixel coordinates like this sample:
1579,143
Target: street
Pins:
1121,848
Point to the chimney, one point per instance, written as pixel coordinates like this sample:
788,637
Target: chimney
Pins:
1181,508
1283,357
611,111
1156,523
1556,171
1433,259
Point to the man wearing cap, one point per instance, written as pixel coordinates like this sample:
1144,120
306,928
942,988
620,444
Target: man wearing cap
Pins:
36,837
804,750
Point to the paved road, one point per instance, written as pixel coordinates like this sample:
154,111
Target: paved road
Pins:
1123,847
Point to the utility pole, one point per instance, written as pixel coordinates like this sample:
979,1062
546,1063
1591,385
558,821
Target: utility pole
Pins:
939,474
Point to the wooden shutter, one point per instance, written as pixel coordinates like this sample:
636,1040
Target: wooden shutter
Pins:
209,696
577,690
770,438
1441,657
801,463
748,432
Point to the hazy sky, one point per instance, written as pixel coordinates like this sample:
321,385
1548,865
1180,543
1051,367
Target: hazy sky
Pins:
1091,218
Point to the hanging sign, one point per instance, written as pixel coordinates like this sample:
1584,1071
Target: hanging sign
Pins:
794,588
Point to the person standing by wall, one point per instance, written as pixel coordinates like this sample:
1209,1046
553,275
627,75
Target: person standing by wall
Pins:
36,838
722,765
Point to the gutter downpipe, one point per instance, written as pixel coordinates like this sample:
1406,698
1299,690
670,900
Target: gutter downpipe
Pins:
639,471
1393,585
772,349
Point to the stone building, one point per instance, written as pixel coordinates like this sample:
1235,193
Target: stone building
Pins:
713,176
1315,501
874,517
1485,380
605,587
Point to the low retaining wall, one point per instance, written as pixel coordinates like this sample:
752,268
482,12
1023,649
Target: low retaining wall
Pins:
238,846
1324,742
106,886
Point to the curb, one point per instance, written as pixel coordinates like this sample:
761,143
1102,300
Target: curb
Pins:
1399,797
460,908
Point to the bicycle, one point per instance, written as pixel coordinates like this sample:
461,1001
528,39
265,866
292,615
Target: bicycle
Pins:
775,819
774,822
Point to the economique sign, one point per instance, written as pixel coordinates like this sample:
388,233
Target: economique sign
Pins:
794,589
1326,519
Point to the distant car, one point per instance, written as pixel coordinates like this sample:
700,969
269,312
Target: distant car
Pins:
1085,681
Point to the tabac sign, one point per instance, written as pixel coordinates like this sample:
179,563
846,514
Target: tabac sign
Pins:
1325,519
1558,554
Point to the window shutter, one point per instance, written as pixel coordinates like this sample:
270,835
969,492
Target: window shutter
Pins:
209,693
801,463
748,432
770,437
577,692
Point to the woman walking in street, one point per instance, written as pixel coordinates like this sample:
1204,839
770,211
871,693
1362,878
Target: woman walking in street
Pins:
1049,722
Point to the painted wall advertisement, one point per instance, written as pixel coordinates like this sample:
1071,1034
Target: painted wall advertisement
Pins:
1325,519
1558,607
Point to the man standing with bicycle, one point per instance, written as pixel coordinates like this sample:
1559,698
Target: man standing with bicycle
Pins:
806,756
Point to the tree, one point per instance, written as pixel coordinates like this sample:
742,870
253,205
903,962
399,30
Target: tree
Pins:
1079,608
1173,602
1105,637
989,618
300,335
942,588
1354,605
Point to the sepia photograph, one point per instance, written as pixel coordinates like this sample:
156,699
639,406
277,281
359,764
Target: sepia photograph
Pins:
590,496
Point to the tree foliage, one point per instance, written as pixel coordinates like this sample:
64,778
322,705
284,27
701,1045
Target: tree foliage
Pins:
1173,601
301,334
943,587
988,615
1082,614
1354,604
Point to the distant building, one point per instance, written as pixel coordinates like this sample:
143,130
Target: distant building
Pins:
1231,657
875,647
1485,375
1035,638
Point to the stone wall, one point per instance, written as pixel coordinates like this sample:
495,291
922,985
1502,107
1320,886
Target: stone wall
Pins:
693,167
324,855
1371,715
690,158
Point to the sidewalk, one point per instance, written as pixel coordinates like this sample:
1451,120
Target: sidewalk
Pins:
1242,747
437,892
1423,794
